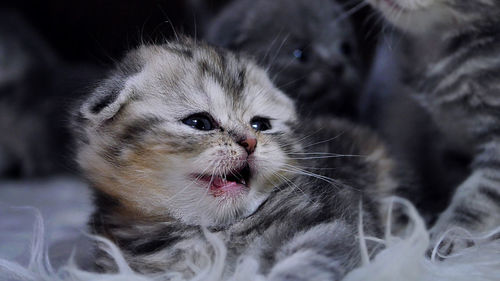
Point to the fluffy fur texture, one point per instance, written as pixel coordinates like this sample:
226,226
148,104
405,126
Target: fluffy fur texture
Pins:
282,191
309,48
401,259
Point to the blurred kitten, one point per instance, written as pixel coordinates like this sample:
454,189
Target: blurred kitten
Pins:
449,56
309,48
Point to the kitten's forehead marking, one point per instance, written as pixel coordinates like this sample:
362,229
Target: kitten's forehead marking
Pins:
232,89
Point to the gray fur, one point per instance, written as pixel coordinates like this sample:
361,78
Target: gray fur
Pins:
451,58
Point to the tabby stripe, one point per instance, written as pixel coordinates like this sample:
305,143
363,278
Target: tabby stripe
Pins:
446,67
135,130
132,134
473,70
483,75
479,47
488,164
492,177
184,53
466,215
491,193
154,245
468,40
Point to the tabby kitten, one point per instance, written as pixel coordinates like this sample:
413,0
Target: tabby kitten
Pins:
183,136
451,61
309,48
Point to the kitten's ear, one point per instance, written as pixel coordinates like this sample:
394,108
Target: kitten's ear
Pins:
105,101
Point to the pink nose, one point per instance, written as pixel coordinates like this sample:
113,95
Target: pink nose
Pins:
249,144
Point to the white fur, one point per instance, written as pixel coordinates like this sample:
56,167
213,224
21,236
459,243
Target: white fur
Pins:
402,259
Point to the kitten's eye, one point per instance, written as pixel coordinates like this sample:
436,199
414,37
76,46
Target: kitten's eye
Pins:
260,124
200,121
300,54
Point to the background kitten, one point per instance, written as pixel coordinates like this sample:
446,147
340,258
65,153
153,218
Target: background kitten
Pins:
309,48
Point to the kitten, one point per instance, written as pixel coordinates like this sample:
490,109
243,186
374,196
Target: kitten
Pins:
183,136
309,47
450,59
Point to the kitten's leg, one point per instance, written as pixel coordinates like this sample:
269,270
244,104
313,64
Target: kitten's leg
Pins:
325,252
475,205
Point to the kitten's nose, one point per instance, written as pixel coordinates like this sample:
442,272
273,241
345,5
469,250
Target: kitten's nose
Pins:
249,144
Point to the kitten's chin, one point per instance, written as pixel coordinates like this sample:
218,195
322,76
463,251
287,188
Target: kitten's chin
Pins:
219,200
227,208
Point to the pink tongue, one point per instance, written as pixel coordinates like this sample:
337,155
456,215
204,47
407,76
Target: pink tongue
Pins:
223,185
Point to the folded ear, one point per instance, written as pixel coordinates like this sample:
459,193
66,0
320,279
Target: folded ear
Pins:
106,101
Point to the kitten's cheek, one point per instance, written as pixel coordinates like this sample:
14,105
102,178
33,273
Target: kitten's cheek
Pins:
252,161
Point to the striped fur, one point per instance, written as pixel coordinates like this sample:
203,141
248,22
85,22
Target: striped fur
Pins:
453,56
309,179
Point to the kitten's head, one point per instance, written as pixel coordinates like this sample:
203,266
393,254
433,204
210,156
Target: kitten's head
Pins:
309,47
421,16
186,131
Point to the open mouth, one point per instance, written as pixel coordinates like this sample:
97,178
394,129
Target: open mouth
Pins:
234,181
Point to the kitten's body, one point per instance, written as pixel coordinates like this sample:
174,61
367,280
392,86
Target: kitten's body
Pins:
139,151
450,57
309,48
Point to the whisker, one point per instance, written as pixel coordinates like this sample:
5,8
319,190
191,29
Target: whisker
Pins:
351,11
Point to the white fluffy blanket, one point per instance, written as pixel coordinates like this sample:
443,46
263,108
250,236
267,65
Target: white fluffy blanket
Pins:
41,224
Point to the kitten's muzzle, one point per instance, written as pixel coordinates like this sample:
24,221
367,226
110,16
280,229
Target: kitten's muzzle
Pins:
249,144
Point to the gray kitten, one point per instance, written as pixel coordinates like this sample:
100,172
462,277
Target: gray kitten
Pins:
183,136
309,48
450,58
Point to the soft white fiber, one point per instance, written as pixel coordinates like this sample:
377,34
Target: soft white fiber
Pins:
403,258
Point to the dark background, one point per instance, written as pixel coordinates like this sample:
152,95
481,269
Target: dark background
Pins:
100,31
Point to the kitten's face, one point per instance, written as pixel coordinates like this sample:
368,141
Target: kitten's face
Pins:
426,15
309,48
191,133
